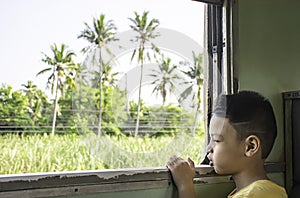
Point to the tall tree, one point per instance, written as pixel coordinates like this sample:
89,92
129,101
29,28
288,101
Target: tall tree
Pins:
195,75
36,100
146,30
108,76
99,35
164,78
63,71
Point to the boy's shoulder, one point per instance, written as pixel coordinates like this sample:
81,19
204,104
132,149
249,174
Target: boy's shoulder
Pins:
260,189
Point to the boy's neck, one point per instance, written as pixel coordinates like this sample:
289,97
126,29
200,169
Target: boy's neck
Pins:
249,175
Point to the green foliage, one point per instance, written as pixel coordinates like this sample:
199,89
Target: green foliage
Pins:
66,119
113,114
164,131
146,30
37,104
144,112
195,79
160,120
78,113
83,103
84,109
79,110
173,117
164,78
13,110
62,76
62,68
102,33
44,153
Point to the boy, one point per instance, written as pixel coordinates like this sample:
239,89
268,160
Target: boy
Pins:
242,132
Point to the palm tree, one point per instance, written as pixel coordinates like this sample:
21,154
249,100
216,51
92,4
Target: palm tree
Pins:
108,77
146,30
35,98
63,71
164,78
99,36
194,73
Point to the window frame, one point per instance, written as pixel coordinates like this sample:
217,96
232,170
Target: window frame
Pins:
107,181
212,2
218,63
221,75
91,182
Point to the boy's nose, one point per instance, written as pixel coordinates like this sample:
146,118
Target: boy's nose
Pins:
209,148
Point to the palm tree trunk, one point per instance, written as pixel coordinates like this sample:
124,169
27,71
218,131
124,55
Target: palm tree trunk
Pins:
197,109
55,109
139,102
126,91
196,119
164,95
100,92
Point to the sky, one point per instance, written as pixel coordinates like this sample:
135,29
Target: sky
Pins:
29,27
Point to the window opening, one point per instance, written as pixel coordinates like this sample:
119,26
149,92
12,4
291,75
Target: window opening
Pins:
26,122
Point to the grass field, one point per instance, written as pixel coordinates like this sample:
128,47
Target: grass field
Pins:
44,153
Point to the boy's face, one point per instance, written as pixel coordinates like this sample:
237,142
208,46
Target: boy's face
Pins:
225,151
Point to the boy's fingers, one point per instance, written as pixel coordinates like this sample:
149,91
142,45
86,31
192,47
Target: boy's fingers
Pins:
172,161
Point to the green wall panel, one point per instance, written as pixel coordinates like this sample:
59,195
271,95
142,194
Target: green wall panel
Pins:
203,190
268,62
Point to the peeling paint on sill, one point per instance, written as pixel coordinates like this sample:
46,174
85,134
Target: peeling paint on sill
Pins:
77,182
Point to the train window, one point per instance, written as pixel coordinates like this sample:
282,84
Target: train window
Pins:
156,69
63,138
100,130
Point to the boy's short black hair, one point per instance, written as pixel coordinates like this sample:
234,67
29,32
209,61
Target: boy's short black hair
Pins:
250,114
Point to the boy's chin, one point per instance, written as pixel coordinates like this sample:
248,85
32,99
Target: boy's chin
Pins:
219,171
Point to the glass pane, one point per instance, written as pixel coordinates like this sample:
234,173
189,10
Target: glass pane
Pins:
61,58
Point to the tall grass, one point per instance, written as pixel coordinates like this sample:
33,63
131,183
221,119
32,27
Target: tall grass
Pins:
144,151
44,153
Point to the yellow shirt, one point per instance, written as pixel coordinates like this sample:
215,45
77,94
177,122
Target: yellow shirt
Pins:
260,189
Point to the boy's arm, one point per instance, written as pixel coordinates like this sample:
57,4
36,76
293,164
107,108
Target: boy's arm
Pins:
183,172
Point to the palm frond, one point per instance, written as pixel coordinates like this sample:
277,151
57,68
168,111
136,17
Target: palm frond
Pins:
43,71
133,54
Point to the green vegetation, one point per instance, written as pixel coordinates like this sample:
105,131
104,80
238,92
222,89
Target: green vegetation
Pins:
44,153
85,98
88,123
99,37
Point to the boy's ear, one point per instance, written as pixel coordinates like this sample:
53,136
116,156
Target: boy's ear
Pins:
252,147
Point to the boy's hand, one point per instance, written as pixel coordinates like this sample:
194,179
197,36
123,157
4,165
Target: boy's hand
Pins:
183,172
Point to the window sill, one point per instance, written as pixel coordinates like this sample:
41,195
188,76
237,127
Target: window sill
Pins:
90,182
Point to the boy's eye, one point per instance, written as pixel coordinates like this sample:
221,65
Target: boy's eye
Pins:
216,140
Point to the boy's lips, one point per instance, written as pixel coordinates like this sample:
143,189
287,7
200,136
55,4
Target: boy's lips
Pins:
211,163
